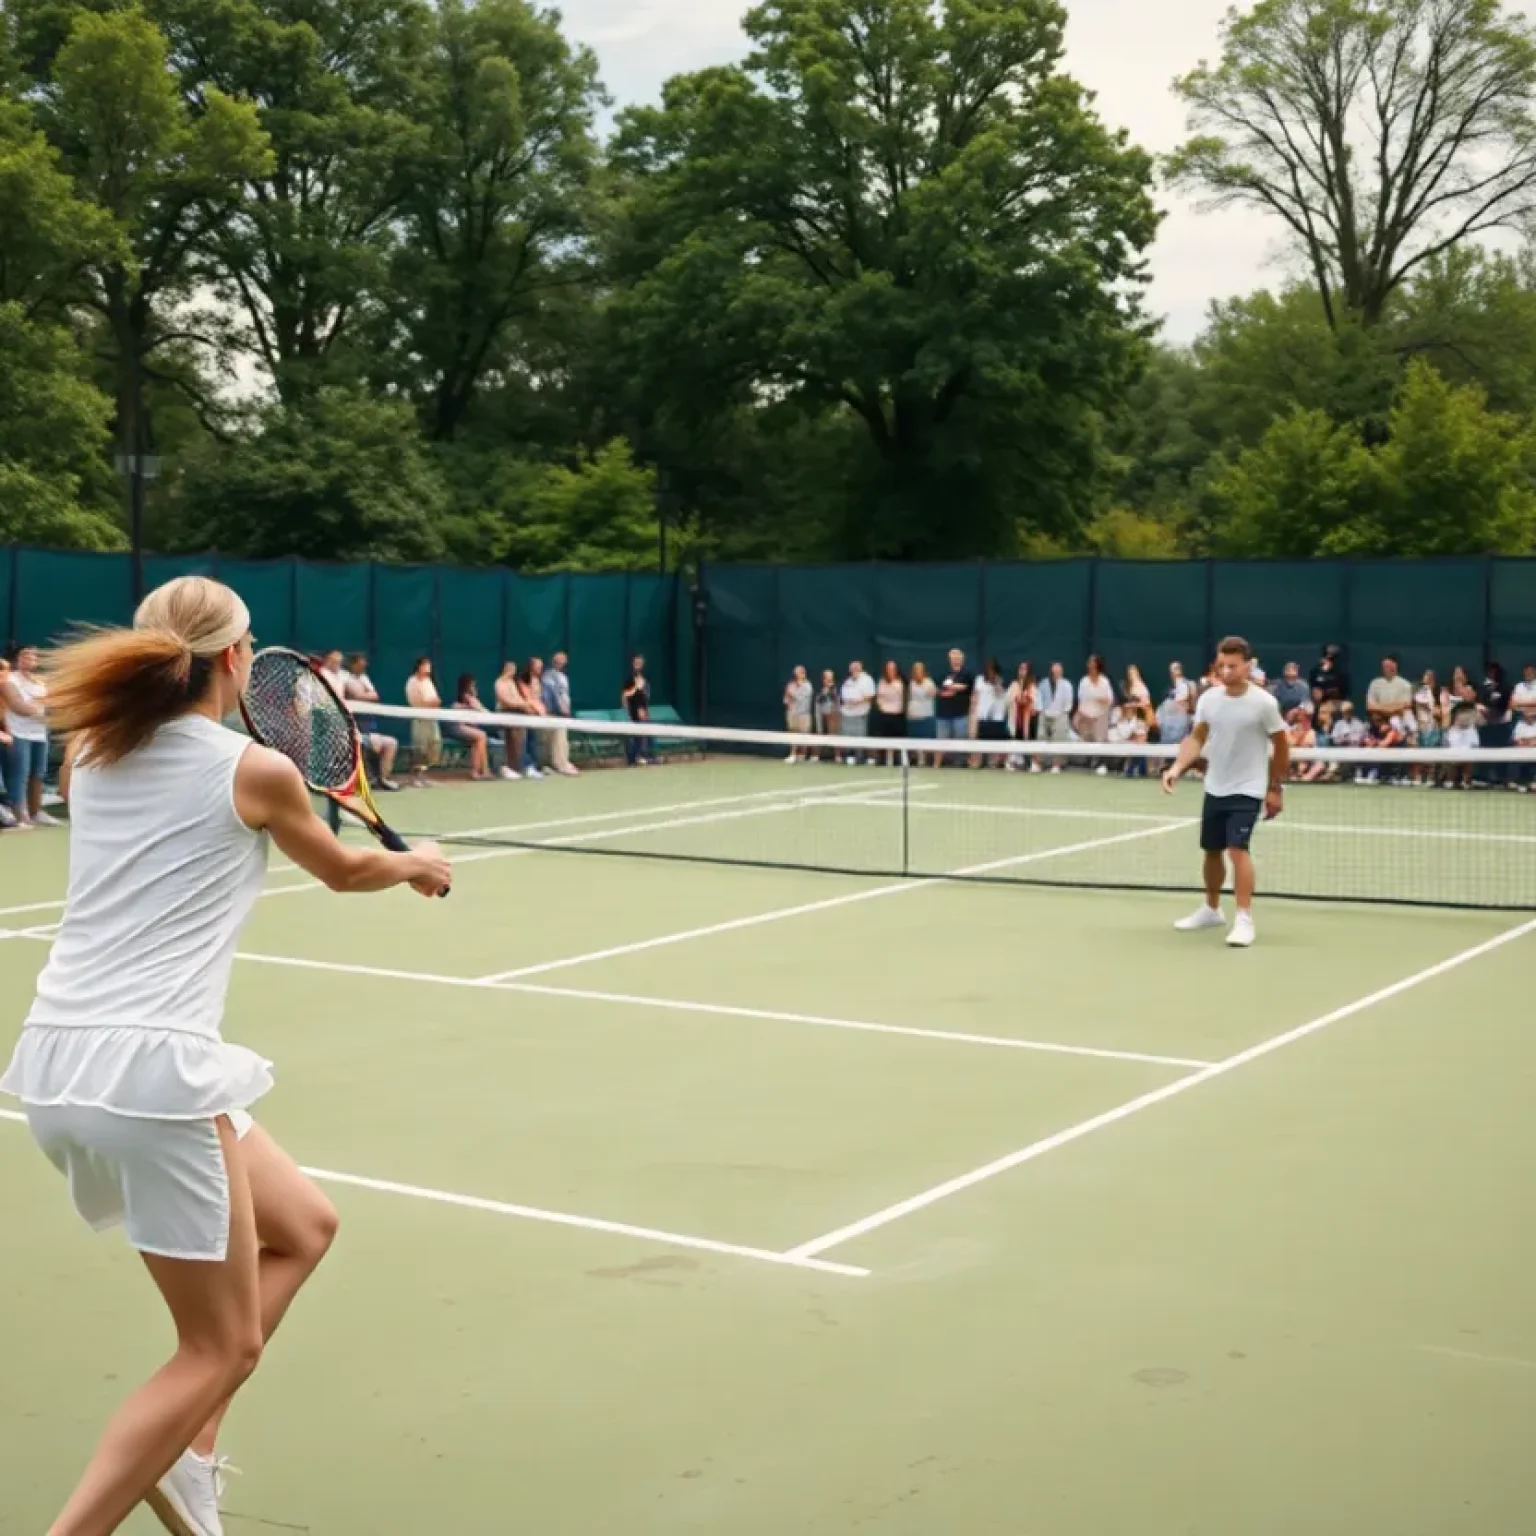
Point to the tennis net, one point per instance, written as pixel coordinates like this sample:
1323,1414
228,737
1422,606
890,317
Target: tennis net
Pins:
1433,828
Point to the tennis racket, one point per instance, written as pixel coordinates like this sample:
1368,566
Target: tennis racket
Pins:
290,707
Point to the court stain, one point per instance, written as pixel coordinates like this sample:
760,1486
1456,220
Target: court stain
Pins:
644,1269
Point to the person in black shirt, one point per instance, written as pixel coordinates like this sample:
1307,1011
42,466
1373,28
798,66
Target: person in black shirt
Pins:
952,708
1497,729
636,696
1329,681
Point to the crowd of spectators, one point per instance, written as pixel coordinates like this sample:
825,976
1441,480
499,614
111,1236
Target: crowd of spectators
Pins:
863,713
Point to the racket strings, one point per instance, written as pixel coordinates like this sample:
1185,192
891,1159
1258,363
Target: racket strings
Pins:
292,711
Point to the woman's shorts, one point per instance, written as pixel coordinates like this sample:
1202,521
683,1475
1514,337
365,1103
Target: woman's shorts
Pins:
164,1181
799,725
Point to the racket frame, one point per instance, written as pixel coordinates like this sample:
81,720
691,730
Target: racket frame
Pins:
354,797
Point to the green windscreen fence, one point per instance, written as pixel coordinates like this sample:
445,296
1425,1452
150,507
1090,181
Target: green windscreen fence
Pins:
759,622
466,621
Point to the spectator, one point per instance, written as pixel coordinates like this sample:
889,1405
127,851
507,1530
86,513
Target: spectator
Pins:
1299,728
334,673
1256,674
1390,695
468,698
829,715
426,735
510,700
855,696
636,698
359,689
991,711
1095,699
1348,729
1496,728
1428,723
7,815
1175,714
954,703
1524,696
1462,712
1135,691
889,720
1056,709
555,694
799,699
1128,726
1023,709
26,723
1290,692
1525,736
921,721
1329,683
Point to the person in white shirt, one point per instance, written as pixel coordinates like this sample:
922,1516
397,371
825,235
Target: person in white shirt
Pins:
1241,735
26,723
129,1088
856,695
1524,696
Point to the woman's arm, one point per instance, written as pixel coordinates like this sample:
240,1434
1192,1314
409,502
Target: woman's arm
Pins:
271,796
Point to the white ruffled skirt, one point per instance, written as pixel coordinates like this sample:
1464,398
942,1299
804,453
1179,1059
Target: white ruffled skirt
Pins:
149,1072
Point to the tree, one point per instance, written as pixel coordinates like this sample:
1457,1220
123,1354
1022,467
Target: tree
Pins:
344,476
493,221
1452,478
160,169
303,252
1382,133
908,213
600,516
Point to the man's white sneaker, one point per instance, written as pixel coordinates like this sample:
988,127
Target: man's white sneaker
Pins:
186,1499
1242,934
1206,917
43,819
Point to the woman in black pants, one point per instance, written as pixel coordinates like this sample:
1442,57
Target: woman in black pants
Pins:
889,716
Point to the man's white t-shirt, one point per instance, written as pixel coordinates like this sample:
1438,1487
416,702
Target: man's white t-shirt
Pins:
1524,696
1237,749
857,693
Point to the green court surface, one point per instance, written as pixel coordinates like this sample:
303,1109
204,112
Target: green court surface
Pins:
685,1197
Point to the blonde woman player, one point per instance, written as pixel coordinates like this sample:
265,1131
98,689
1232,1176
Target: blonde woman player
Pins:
128,1087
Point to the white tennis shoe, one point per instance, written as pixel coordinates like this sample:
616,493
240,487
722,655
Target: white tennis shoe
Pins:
1242,934
1206,917
186,1500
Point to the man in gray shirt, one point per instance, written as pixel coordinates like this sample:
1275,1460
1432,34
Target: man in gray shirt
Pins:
1290,692
1236,725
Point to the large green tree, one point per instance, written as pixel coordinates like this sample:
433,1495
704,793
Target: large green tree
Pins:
1381,133
303,249
904,211
161,166
493,222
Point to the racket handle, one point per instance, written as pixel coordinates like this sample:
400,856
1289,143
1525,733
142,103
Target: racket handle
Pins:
397,844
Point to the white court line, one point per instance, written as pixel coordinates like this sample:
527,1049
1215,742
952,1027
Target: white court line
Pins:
723,1010
829,903
1144,1101
559,1218
820,1022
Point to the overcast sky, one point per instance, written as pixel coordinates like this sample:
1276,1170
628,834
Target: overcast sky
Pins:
1128,51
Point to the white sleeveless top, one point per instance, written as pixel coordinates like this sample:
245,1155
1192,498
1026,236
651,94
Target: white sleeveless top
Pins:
27,727
162,874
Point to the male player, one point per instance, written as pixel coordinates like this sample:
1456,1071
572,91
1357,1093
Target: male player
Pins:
1235,726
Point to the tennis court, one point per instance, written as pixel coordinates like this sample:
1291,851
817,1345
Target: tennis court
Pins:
734,1197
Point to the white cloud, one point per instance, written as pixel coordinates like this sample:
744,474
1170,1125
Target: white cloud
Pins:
1127,51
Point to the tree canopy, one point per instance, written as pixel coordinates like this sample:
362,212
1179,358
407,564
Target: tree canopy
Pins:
371,280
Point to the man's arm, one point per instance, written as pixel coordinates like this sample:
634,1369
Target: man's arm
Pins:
1189,754
1279,769
271,796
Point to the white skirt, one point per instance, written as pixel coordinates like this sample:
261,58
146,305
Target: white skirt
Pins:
127,1114
145,1072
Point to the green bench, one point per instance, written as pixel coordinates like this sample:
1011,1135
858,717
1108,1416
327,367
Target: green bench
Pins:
595,747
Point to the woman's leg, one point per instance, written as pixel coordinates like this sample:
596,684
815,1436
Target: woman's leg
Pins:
217,1312
295,1227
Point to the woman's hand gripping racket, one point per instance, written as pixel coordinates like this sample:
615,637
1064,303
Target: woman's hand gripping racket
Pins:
291,708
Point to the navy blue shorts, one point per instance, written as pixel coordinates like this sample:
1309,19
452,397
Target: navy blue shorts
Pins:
1227,821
